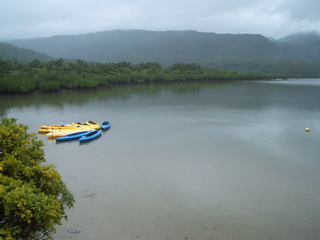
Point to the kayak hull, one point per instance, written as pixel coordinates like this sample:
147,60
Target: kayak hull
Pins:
61,133
73,136
92,135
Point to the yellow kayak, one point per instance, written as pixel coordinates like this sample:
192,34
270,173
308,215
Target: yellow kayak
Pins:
48,129
61,133
67,129
56,126
88,124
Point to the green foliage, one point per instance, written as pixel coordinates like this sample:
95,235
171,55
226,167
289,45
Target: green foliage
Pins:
58,74
278,67
33,197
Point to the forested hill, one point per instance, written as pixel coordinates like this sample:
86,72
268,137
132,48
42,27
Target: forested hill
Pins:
304,47
297,55
166,47
16,54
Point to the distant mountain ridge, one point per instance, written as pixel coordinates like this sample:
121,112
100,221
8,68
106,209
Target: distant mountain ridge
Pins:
169,47
301,38
300,46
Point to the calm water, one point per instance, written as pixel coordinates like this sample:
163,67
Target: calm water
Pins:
220,161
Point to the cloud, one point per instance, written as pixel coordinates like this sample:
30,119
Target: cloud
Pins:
307,10
275,18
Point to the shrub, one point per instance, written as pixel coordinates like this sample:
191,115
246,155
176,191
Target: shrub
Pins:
33,197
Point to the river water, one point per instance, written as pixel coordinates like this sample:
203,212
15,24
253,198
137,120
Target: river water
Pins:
209,160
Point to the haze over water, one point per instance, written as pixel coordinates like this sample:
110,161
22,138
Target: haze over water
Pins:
184,161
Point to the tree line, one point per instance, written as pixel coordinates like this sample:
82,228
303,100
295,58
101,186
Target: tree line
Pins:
292,68
60,74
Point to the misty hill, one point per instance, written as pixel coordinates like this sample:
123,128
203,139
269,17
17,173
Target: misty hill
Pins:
301,38
170,47
166,48
300,46
16,54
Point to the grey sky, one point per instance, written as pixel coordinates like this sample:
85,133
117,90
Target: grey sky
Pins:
46,18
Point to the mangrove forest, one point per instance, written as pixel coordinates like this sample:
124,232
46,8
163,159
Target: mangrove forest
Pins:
47,76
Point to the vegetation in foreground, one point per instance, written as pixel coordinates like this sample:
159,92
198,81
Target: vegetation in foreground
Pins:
33,197
59,74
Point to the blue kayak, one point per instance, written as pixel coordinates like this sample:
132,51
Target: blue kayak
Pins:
105,125
92,135
73,136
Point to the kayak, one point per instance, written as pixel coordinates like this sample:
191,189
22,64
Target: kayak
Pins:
61,133
105,125
73,136
92,135
93,124
87,124
48,129
56,126
65,128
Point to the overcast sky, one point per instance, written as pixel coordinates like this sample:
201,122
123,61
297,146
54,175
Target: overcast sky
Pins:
46,18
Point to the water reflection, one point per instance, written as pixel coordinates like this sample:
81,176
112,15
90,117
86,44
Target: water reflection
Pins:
187,161
243,91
